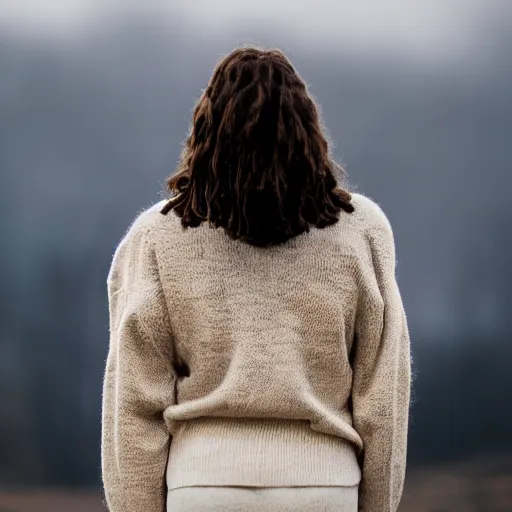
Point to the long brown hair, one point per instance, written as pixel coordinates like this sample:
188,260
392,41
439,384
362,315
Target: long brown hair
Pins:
257,162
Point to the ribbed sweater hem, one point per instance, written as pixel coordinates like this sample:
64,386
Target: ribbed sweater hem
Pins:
258,453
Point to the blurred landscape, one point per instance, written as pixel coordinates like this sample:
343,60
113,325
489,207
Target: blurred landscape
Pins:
90,126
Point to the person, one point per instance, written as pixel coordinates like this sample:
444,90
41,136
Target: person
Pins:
259,355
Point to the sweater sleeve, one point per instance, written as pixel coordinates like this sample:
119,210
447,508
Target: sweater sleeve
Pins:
138,381
382,379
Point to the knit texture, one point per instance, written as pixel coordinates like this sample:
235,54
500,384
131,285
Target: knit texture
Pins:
249,358
281,499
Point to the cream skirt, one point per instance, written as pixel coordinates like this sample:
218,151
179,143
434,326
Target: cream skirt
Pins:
267,499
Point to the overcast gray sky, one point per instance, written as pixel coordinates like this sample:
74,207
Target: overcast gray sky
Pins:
421,25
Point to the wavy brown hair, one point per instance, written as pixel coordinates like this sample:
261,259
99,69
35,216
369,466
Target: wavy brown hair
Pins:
257,162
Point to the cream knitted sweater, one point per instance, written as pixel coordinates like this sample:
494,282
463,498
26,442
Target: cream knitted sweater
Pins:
236,365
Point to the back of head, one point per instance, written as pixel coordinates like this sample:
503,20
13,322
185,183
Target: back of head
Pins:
257,162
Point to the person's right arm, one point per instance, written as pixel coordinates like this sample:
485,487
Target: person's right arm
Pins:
382,378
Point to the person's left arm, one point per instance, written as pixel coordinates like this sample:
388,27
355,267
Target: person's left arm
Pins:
138,381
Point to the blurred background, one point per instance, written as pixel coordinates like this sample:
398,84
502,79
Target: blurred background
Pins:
95,100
